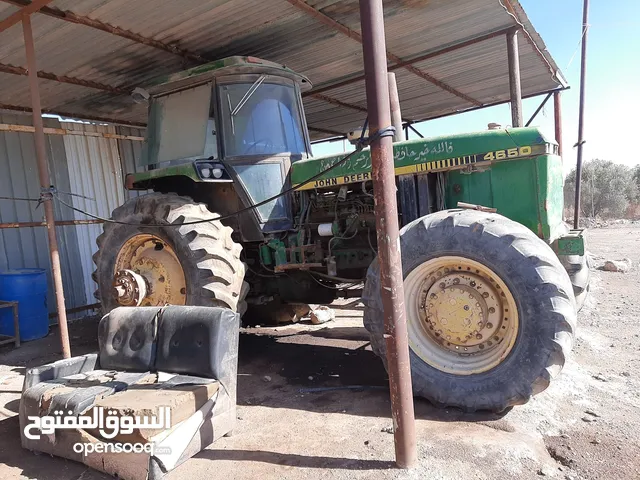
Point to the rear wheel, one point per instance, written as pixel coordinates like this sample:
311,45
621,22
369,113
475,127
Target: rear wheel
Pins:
142,265
490,310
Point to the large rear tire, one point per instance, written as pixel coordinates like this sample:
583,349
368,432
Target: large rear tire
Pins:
195,264
465,273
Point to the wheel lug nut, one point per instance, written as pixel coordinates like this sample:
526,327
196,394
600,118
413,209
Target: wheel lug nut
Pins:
492,310
442,285
466,307
473,284
479,337
485,294
489,325
456,281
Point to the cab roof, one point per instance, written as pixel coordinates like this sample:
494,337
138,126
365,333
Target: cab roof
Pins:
236,65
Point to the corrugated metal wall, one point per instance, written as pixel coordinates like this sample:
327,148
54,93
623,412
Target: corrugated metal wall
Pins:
93,167
94,172
27,247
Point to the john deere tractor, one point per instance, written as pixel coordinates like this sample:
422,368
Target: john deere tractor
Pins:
239,214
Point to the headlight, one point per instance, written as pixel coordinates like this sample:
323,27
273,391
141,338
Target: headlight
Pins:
205,171
210,170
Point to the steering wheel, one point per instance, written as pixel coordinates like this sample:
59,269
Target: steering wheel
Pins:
263,142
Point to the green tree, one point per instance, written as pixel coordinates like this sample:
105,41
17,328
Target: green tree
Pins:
635,173
607,188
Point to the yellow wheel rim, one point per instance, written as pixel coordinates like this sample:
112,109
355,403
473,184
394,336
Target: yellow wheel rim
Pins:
462,318
147,272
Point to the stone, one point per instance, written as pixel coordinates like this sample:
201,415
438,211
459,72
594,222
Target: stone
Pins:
322,314
621,266
547,471
266,378
588,419
387,430
592,413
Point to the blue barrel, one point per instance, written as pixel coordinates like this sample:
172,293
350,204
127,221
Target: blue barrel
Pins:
28,287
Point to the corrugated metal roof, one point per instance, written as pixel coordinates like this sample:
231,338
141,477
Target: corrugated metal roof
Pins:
280,31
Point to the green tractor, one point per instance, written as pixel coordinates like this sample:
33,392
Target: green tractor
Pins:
241,215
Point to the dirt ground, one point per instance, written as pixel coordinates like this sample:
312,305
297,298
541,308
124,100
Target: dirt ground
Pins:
585,426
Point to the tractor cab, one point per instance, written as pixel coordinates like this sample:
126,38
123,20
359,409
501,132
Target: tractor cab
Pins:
238,121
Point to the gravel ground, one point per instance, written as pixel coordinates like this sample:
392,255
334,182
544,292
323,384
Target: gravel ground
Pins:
585,426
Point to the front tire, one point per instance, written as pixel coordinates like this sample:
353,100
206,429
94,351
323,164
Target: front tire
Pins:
468,263
196,264
577,267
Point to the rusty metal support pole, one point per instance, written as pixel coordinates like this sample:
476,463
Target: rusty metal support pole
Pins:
394,103
583,85
557,117
43,174
514,78
386,211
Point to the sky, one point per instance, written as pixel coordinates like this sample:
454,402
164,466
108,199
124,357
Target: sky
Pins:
613,81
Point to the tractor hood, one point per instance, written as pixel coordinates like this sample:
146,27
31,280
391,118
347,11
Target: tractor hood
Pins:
451,152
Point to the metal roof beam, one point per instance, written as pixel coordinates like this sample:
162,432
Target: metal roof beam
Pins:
337,102
28,9
134,37
330,22
13,70
80,116
419,58
500,102
324,130
69,16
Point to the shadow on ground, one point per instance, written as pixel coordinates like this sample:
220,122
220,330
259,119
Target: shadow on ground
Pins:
40,467
305,372
294,460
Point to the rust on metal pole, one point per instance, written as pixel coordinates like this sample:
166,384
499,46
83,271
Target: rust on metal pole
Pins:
43,174
583,85
514,78
557,116
386,211
394,104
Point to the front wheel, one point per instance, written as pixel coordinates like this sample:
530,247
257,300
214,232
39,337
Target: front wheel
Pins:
490,310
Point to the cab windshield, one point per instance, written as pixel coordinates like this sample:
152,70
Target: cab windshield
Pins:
261,118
